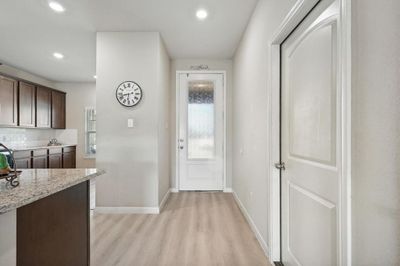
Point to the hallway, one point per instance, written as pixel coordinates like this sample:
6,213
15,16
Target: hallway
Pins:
193,229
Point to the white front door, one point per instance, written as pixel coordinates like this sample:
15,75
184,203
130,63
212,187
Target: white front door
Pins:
311,140
201,131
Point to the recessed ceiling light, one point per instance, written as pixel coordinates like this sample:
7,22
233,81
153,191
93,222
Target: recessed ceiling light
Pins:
58,55
57,7
95,76
201,14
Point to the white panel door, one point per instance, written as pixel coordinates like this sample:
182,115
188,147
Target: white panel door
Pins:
201,127
311,140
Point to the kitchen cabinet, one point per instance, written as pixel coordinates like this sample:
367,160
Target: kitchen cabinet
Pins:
69,157
23,159
8,101
27,105
55,157
39,162
24,163
57,110
43,107
39,158
55,160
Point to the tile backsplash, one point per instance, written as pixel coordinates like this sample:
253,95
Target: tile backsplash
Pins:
22,137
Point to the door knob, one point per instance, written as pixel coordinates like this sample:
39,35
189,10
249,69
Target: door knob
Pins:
280,166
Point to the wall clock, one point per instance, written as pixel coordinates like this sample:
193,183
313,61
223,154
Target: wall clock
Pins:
129,93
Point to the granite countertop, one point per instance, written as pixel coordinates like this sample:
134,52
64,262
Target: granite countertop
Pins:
25,148
36,184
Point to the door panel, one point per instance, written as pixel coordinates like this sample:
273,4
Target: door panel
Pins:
43,107
310,140
27,105
55,161
57,110
8,102
39,162
201,132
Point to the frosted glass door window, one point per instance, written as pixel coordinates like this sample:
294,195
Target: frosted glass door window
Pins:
201,120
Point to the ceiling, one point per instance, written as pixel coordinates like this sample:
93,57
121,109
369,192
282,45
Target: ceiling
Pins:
31,32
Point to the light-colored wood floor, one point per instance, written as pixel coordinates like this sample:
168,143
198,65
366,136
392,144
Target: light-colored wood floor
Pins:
193,229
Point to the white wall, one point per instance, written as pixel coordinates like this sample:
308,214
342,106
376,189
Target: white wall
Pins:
129,155
250,105
8,240
185,64
9,70
376,129
79,96
164,163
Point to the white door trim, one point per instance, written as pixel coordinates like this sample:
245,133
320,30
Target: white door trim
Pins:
299,11
177,122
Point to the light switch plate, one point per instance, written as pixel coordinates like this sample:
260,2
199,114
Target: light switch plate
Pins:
131,122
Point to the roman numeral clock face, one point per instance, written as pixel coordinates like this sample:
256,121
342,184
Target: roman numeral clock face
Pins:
129,93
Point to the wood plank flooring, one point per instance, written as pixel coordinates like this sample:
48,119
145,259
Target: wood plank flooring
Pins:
194,229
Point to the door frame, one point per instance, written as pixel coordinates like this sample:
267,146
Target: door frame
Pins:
177,111
299,11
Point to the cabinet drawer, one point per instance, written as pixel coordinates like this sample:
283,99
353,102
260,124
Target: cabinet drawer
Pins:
41,152
55,150
22,154
69,149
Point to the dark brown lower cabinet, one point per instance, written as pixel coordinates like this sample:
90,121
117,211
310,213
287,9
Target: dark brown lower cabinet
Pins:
46,158
69,159
55,230
55,161
23,163
39,162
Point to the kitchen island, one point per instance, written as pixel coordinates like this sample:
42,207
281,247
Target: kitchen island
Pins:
45,220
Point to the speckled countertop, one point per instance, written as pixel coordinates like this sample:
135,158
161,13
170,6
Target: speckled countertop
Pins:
26,148
36,184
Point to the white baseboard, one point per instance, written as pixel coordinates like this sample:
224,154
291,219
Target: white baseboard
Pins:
134,210
253,226
127,210
164,200
228,190
174,190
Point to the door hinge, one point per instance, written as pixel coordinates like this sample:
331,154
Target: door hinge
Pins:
280,166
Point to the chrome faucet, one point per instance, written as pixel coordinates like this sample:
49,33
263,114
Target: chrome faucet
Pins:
11,177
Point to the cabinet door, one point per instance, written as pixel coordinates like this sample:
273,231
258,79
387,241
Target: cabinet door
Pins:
8,101
55,161
57,110
69,160
39,162
27,105
23,163
43,107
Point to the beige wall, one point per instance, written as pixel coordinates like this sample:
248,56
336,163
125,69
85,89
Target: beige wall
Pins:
376,131
129,155
79,96
250,105
185,64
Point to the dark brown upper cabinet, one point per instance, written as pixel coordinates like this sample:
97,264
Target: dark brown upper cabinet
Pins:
26,105
8,101
57,110
43,107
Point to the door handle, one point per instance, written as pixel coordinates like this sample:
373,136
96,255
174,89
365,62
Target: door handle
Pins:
180,146
280,166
